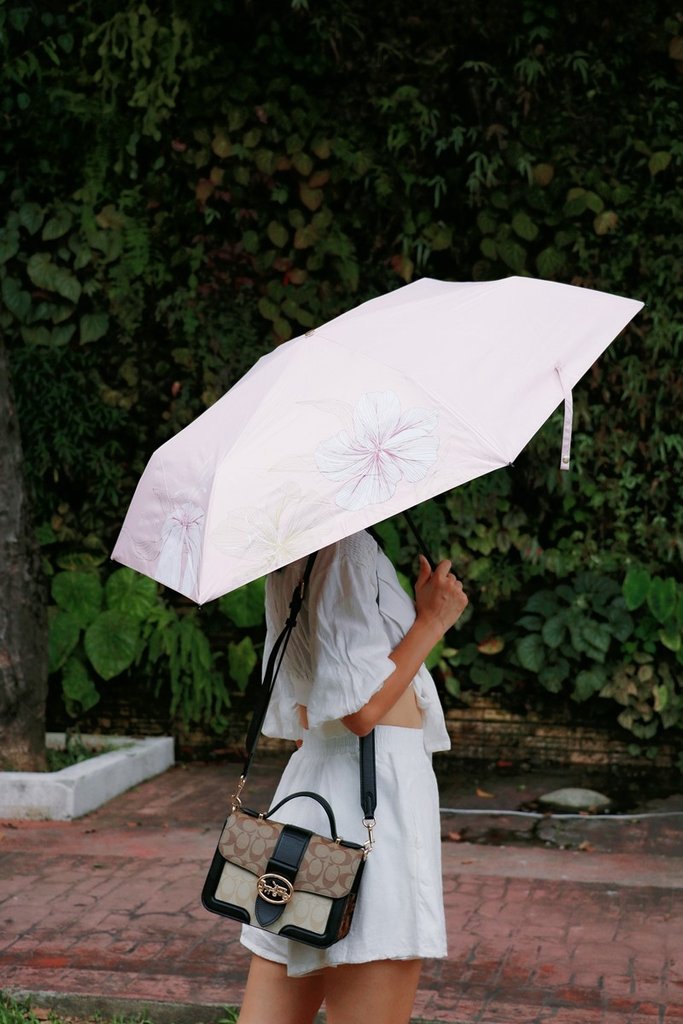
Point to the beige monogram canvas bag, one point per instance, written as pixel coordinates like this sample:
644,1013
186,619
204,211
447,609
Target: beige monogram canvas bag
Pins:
283,878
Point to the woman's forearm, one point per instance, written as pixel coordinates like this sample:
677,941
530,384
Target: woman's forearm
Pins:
440,601
408,656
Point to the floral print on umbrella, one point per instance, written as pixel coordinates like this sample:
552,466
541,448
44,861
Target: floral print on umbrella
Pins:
177,550
388,445
267,538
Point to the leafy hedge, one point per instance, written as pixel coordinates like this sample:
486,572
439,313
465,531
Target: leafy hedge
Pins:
188,185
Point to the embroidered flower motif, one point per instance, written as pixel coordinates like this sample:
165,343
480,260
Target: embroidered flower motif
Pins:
180,546
387,445
177,551
270,537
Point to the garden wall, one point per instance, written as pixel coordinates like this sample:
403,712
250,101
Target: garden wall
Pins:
483,730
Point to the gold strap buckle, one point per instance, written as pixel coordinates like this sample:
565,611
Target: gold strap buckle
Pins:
236,802
369,824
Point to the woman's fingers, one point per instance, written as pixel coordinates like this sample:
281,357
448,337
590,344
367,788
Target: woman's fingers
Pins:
443,568
439,594
423,574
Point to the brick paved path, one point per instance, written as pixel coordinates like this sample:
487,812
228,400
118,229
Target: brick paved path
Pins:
107,907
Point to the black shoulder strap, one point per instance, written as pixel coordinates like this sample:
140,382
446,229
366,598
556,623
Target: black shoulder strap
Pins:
274,661
368,789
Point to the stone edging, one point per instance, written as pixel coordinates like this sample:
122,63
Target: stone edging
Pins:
74,791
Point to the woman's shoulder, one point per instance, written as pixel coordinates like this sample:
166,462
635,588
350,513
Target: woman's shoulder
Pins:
359,547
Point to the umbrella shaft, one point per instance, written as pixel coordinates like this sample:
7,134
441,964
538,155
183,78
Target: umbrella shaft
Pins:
421,544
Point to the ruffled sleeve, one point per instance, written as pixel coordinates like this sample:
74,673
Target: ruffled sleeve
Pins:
349,645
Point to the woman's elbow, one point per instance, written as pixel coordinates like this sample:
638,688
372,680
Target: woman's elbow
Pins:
360,723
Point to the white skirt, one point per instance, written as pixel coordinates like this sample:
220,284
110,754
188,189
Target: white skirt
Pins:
399,914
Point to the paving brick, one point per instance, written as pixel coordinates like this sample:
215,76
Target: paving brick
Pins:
535,935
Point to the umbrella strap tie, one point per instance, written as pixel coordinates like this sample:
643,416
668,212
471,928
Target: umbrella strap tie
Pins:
568,420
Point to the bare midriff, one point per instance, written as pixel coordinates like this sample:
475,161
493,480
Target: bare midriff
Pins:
405,713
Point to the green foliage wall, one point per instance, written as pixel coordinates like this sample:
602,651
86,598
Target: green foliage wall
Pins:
187,185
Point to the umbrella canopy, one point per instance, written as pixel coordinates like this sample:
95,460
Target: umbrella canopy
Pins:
400,399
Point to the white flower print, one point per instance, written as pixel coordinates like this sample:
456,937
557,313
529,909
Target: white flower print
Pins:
180,547
387,445
270,537
177,550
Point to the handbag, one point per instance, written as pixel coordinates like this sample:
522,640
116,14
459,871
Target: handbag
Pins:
281,877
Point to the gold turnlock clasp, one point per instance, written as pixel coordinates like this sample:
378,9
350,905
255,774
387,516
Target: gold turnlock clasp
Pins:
274,888
369,824
236,802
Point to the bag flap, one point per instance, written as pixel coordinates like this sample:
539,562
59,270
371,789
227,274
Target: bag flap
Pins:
327,868
248,841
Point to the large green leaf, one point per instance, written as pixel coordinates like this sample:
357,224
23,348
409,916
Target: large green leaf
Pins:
512,253
93,326
242,659
670,636
31,216
523,226
552,677
489,248
111,642
9,244
57,225
39,335
661,598
17,300
531,622
587,683
79,593
620,622
659,162
64,631
636,587
487,676
438,236
550,262
554,631
595,639
245,607
531,652
486,222
543,602
53,278
80,693
128,591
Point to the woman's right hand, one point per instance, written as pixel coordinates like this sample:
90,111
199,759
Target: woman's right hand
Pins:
439,597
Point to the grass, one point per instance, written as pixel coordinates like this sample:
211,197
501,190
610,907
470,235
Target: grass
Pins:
73,752
20,1011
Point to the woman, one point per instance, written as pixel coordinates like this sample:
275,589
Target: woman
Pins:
354,663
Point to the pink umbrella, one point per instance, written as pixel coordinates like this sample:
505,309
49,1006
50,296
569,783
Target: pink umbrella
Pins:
401,398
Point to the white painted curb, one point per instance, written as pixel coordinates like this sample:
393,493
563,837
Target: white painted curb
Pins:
74,791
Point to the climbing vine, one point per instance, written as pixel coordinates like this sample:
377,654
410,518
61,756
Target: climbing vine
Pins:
186,186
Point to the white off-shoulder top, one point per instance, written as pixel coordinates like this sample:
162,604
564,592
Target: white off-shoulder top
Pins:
354,614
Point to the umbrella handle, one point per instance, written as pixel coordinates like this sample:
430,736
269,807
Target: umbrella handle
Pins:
421,544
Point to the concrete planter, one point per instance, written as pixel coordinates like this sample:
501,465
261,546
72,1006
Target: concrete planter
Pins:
74,791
